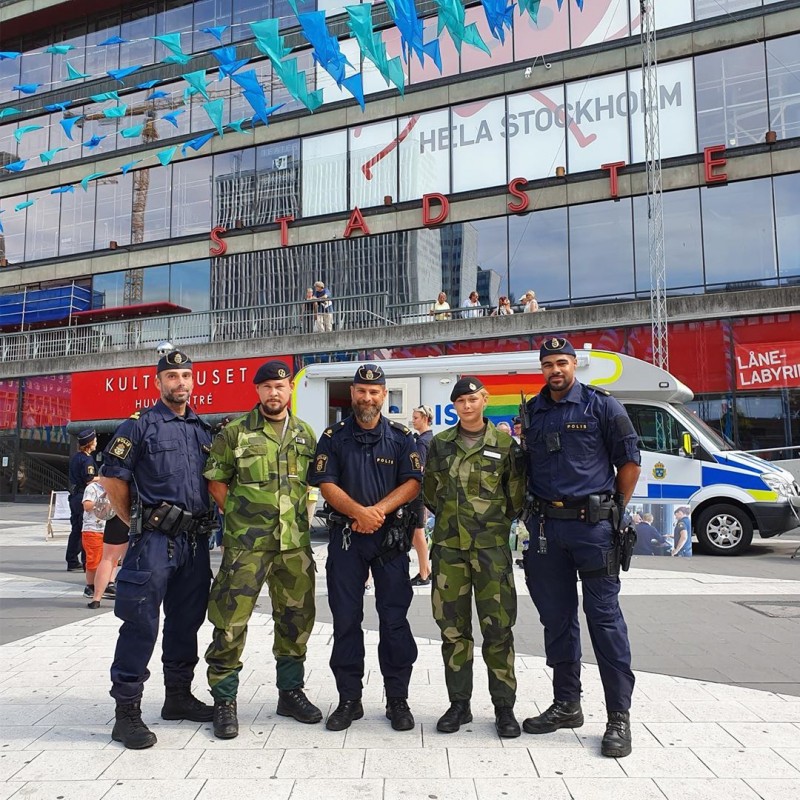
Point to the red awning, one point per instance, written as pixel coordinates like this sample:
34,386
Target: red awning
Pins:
127,312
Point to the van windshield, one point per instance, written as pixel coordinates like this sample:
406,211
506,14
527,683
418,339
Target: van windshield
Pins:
721,442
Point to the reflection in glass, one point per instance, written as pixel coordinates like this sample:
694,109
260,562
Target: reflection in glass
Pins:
138,25
783,70
373,163
234,188
114,199
683,241
77,221
12,239
787,223
731,91
152,204
41,237
189,285
191,196
424,155
703,9
738,234
156,284
278,181
539,259
601,249
108,290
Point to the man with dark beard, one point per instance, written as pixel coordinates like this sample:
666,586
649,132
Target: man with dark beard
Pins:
257,475
367,467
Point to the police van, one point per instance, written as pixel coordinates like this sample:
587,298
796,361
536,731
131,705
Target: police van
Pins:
685,463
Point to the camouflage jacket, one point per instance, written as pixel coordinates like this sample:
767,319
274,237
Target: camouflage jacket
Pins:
267,487
475,493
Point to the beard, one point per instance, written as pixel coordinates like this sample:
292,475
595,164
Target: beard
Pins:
273,408
173,396
366,412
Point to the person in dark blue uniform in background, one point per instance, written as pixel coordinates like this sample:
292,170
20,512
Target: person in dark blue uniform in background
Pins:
581,450
82,471
160,454
367,467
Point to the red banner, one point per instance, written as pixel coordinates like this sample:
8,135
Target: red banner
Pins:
220,387
768,365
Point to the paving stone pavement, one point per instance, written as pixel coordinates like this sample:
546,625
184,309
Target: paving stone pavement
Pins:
692,739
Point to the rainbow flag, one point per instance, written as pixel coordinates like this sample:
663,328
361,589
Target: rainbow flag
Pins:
504,392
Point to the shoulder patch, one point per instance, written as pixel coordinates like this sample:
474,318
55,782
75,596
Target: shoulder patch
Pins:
135,415
120,447
320,463
90,470
400,427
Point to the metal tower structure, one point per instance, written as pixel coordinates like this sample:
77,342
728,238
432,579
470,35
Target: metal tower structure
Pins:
655,206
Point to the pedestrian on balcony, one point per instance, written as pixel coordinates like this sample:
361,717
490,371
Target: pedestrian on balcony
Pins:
503,307
309,312
82,471
530,302
324,320
441,308
472,306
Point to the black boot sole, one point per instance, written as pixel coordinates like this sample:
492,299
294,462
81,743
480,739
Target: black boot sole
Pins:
282,712
226,734
174,716
616,752
115,737
463,721
576,723
357,715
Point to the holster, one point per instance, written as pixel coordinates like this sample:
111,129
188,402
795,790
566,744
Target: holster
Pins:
172,521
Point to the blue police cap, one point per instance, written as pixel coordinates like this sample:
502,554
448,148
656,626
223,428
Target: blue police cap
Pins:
86,436
469,384
370,374
175,359
272,371
555,347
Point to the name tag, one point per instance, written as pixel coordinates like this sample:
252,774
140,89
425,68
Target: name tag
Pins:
300,440
576,426
492,454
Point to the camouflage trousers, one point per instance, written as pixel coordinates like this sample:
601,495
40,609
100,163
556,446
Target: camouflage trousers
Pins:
489,572
290,577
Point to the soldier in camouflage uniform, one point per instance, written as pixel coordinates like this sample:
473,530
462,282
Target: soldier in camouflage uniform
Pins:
257,475
474,483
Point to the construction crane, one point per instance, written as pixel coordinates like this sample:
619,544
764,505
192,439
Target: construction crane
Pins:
655,205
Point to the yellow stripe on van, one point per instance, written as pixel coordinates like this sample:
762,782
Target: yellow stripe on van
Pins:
615,359
297,378
763,495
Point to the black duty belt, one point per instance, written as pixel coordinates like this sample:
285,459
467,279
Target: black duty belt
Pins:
172,520
585,509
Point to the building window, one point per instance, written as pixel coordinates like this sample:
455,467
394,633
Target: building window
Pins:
683,241
191,196
783,73
703,9
601,250
738,234
787,223
731,90
373,163
539,255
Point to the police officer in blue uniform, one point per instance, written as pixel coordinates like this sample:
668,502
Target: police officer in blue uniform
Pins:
82,471
154,477
581,450
367,467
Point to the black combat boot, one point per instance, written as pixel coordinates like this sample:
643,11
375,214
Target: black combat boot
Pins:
345,713
505,722
457,715
294,703
617,740
562,714
399,713
180,703
129,728
226,725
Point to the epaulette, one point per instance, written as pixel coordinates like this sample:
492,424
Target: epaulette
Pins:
135,415
406,430
600,390
333,429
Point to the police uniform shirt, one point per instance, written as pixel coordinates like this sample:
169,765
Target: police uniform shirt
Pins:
366,464
594,435
166,454
82,470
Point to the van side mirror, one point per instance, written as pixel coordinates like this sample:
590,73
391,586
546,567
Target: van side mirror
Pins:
688,444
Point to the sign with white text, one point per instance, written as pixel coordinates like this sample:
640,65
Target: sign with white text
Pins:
768,365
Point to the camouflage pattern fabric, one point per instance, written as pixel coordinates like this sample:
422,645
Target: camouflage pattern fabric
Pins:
475,493
290,576
266,477
488,571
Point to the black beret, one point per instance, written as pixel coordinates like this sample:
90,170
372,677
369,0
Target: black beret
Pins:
370,374
516,421
466,385
86,436
175,359
272,371
555,347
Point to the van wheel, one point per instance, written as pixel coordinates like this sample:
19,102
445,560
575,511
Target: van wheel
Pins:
724,530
